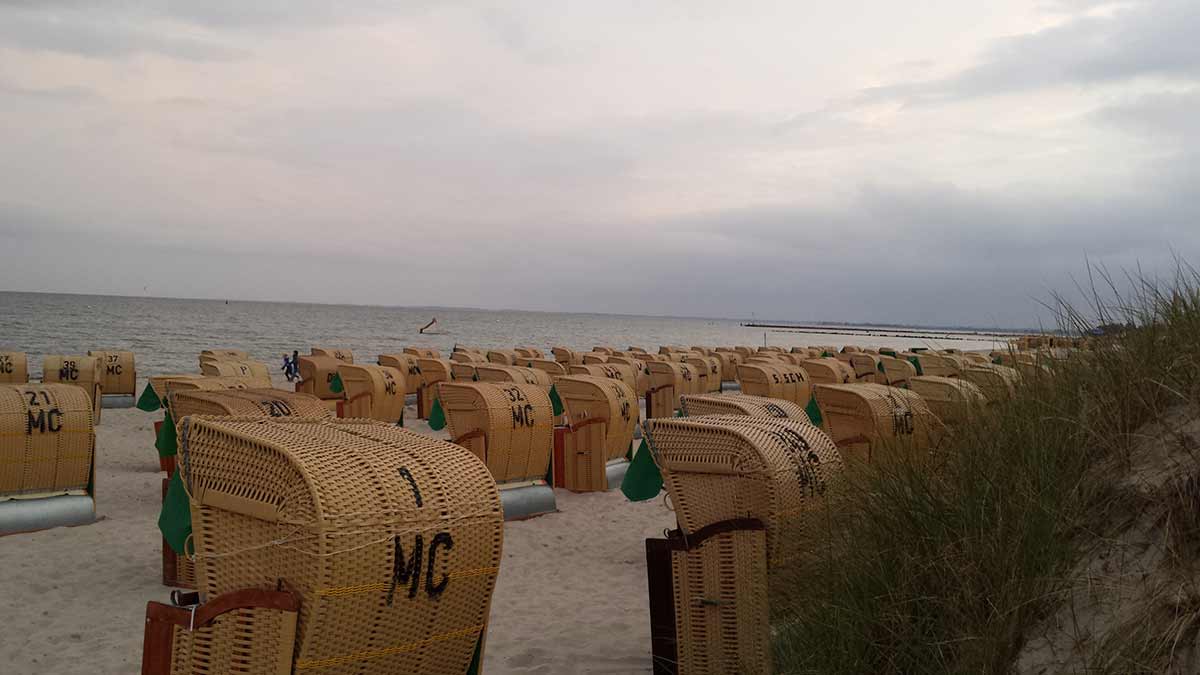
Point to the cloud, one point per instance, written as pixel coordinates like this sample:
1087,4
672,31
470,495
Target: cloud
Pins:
1148,39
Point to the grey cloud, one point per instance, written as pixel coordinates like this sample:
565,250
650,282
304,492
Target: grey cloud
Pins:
103,33
1149,39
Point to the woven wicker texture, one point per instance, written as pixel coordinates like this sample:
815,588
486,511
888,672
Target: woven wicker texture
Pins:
640,375
373,392
46,440
764,357
245,403
504,357
806,352
81,371
423,352
407,364
613,371
317,373
496,373
171,385
551,367
118,375
771,348
14,368
464,372
529,352
467,357
776,380
790,358
897,371
866,367
669,381
432,372
592,358
708,369
696,405
256,372
343,355
721,607
828,370
998,383
603,350
231,354
565,356
245,641
975,357
645,356
746,352
593,444
392,539
510,426
724,467
861,416
729,363
159,382
952,399
935,364
632,349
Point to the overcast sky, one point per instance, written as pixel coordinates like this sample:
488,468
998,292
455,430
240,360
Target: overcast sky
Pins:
944,162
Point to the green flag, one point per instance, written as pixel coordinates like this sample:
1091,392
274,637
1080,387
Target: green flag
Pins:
166,443
825,354
642,480
149,400
814,412
437,416
998,361
175,519
335,385
556,401
473,669
879,367
888,352
916,364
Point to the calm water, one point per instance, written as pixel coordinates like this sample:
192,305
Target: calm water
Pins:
167,334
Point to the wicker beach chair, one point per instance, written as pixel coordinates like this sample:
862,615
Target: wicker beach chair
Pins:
407,364
423,352
391,539
551,367
929,363
81,371
696,405
602,414
640,375
529,352
47,441
14,368
860,418
496,373
245,403
613,371
866,367
827,370
343,355
594,358
433,371
373,392
507,425
998,383
708,370
317,374
603,350
896,371
255,372
503,357
776,380
668,381
118,374
567,357
952,399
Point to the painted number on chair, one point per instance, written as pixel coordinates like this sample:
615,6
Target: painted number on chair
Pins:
6,364
113,365
40,417
69,371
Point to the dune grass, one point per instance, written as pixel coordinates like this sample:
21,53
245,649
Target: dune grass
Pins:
943,564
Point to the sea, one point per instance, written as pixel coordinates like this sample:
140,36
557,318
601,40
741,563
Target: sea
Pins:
167,334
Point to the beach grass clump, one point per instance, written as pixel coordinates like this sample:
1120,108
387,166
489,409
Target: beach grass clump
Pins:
945,563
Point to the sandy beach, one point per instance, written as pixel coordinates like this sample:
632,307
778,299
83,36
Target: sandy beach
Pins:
570,598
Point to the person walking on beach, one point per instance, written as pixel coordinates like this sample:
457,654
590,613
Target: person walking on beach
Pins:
287,367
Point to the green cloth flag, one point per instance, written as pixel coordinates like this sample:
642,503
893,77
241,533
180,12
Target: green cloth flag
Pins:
916,364
879,367
643,480
888,352
473,669
175,519
556,401
437,416
998,361
825,354
149,400
335,385
166,443
814,412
